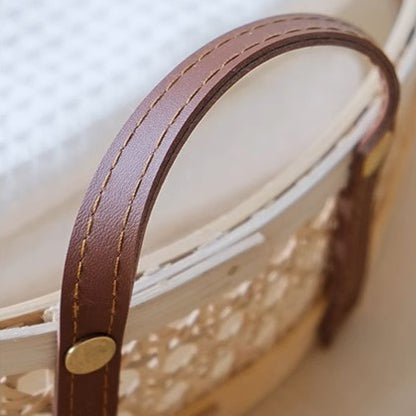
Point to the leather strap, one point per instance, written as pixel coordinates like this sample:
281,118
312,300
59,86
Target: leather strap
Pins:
108,233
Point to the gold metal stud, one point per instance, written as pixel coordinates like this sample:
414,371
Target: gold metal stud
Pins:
90,354
376,155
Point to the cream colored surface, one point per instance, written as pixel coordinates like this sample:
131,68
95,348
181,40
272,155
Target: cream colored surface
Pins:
371,370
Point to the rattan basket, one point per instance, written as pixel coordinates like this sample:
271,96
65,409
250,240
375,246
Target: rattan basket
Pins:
195,341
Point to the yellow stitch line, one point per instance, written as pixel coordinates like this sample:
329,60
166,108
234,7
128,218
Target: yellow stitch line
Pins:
276,35
242,33
204,55
292,31
211,75
114,288
123,146
120,241
110,328
96,202
251,47
169,86
83,245
259,26
75,306
222,43
113,301
136,187
139,123
79,269
113,305
116,266
105,181
177,114
148,160
117,158
111,323
186,69
141,119
158,141
75,328
192,95
218,45
76,290
154,102
230,59
127,213
88,227
75,310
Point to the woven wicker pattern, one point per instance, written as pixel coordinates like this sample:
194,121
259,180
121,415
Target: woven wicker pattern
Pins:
177,363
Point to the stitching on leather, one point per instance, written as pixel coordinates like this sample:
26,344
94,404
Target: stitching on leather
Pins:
118,155
150,158
312,28
276,35
259,26
253,45
152,105
97,199
147,163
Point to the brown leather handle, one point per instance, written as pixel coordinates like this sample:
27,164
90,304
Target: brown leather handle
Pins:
108,233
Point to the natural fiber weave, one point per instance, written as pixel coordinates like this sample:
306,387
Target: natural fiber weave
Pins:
177,363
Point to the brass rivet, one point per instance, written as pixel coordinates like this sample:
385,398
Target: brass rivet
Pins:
376,155
90,354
